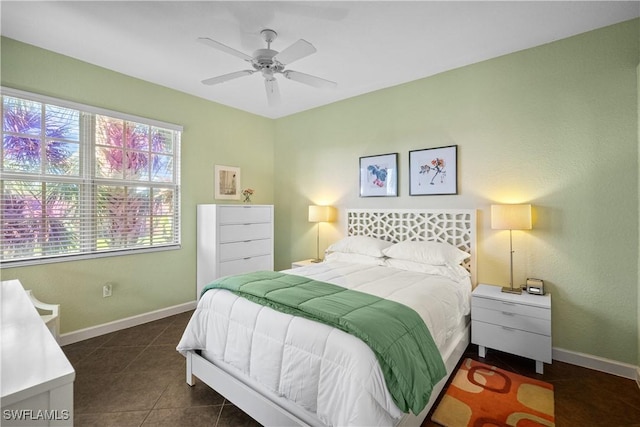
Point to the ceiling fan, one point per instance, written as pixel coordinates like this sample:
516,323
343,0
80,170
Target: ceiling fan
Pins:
270,62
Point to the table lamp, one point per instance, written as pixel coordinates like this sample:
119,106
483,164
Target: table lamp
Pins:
320,214
511,217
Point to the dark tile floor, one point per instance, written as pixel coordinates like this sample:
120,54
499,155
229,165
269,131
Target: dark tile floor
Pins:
135,377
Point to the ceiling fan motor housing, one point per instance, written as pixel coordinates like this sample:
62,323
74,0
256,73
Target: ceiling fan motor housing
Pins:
263,60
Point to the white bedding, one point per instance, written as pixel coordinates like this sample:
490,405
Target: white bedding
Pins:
327,372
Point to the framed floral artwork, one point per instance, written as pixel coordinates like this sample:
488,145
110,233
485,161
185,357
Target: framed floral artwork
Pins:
433,171
227,182
379,175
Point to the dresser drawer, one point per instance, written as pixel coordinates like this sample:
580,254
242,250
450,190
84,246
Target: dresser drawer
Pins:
511,307
244,232
526,344
244,214
246,265
237,250
512,320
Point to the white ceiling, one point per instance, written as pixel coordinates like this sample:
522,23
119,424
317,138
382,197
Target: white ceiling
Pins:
363,45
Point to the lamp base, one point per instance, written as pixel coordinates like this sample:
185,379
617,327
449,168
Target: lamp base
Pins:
316,260
509,290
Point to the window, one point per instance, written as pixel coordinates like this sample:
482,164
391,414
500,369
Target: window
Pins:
78,181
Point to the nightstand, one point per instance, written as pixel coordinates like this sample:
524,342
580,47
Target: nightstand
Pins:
302,263
517,324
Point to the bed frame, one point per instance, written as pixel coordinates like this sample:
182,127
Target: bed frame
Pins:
454,226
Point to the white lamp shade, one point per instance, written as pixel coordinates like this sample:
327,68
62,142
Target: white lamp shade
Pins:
322,213
511,217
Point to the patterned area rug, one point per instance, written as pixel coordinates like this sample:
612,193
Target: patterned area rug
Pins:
482,396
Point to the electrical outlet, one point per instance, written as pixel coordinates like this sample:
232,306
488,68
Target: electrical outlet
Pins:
107,289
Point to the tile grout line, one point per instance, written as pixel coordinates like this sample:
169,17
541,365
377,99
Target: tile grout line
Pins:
144,349
122,371
145,414
219,413
153,407
145,418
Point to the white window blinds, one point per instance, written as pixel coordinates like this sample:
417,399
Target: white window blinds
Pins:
79,181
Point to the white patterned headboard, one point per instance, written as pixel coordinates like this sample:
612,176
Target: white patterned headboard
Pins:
454,226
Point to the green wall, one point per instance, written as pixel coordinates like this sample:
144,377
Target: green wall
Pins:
555,126
213,134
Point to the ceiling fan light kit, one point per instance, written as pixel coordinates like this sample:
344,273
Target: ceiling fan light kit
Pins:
270,62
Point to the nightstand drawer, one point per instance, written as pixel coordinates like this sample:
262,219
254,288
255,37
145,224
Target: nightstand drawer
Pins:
512,320
527,344
511,307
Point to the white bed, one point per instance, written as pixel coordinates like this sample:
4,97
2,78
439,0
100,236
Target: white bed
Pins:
286,370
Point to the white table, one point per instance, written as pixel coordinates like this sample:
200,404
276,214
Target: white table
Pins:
37,378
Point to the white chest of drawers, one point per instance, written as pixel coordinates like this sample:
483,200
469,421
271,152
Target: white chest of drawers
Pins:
232,239
517,324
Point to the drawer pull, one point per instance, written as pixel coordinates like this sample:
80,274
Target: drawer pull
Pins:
507,313
506,328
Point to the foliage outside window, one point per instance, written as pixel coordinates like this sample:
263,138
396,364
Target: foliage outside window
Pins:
78,181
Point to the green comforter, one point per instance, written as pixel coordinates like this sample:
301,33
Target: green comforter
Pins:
407,354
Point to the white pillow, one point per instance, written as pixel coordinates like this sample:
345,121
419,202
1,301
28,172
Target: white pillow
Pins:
434,253
455,273
363,245
354,258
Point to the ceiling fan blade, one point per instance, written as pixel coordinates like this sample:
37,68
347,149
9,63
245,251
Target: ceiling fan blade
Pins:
224,48
309,79
296,51
273,92
226,77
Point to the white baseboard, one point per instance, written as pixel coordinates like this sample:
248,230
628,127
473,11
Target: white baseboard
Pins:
116,325
601,364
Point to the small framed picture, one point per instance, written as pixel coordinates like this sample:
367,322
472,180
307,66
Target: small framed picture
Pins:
227,182
379,175
433,171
